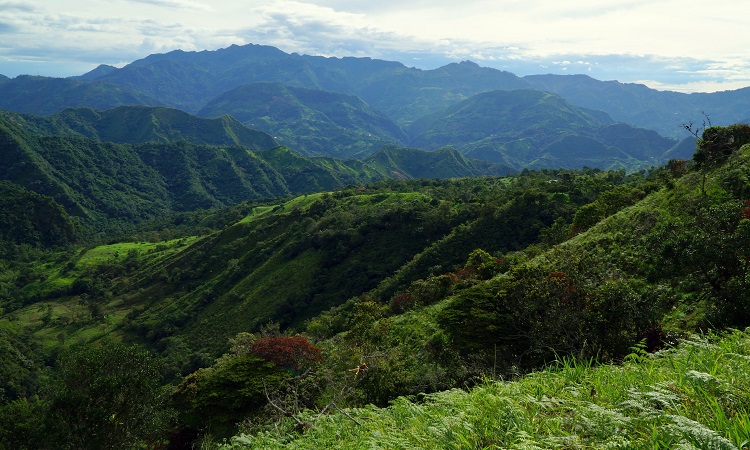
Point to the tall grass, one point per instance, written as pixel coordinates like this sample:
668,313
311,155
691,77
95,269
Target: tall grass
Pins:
696,395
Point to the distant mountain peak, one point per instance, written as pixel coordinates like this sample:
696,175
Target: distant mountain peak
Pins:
101,70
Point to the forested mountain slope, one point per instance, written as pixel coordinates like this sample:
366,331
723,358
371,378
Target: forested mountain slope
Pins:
119,167
529,128
662,111
44,95
140,124
313,121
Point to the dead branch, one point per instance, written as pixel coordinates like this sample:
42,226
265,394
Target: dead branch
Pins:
300,423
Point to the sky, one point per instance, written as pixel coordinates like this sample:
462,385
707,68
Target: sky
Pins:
680,45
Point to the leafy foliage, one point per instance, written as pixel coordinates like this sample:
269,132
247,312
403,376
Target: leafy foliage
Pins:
531,316
717,143
216,398
290,352
102,396
29,218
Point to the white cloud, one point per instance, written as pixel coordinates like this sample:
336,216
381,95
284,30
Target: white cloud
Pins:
669,42
184,4
16,6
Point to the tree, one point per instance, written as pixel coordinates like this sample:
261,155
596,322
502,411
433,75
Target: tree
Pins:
532,315
710,250
105,396
290,352
717,143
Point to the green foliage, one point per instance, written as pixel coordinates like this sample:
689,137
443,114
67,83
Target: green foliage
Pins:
717,143
216,398
709,249
605,205
22,425
531,315
29,218
19,364
105,396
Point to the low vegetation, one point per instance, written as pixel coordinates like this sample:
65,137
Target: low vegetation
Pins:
693,395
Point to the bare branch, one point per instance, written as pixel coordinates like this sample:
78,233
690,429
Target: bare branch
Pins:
347,415
300,423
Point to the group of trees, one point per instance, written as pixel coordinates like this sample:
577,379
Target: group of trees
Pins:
101,396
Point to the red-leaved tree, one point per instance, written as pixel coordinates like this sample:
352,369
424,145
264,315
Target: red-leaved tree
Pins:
290,352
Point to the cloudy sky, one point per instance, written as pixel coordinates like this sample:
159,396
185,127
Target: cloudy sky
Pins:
684,45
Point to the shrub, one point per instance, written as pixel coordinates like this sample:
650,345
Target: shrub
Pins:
290,352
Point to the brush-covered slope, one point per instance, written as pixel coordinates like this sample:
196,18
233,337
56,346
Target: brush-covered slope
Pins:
140,124
44,96
101,181
32,219
626,271
674,261
691,396
311,121
287,262
529,128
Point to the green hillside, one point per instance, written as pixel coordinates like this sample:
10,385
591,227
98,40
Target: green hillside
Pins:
311,121
120,167
650,273
534,129
141,124
32,219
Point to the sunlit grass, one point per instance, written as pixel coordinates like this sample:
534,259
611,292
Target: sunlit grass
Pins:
694,396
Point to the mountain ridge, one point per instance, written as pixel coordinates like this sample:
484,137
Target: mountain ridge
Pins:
141,176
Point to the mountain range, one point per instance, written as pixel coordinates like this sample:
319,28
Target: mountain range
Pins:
350,107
